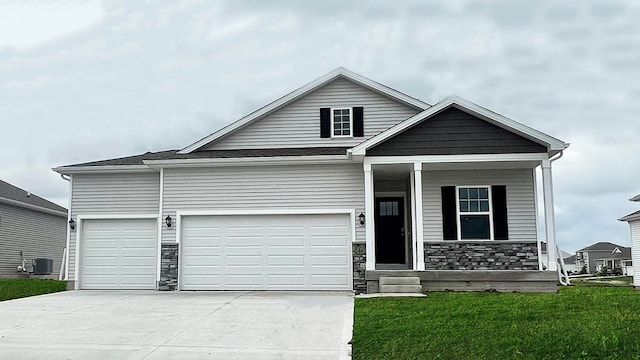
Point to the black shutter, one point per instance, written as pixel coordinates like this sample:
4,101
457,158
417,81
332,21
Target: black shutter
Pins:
499,205
358,121
449,213
325,122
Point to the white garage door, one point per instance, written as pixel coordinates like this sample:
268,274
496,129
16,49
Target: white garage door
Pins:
118,254
266,252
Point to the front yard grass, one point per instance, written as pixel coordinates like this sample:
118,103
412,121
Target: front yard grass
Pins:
19,288
579,322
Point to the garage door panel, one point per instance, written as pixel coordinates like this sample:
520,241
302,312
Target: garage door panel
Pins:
286,260
329,240
268,252
118,254
244,260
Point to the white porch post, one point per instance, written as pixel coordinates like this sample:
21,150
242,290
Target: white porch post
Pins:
419,226
549,215
370,222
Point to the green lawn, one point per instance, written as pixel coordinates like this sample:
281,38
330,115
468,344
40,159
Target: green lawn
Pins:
19,288
580,322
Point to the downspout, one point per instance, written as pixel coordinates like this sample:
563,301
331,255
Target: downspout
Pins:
563,276
65,254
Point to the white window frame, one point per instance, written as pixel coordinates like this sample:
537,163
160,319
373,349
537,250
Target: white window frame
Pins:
350,122
488,213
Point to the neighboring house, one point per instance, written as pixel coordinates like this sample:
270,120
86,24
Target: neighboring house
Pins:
30,227
570,264
616,258
341,184
634,223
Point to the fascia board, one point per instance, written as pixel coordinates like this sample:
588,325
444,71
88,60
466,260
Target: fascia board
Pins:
68,170
319,82
32,207
248,161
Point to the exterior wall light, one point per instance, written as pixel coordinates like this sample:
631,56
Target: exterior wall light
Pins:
72,224
167,221
361,217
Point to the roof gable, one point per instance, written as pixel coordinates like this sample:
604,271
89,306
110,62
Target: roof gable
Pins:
454,132
300,92
552,144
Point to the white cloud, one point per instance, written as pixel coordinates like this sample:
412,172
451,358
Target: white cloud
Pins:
27,24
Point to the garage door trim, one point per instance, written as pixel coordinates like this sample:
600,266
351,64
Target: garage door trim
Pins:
82,218
249,212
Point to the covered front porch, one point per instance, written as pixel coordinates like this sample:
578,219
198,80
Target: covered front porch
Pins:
458,222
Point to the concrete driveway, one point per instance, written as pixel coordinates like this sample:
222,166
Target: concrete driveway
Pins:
177,325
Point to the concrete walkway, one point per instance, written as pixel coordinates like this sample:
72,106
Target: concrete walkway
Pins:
177,325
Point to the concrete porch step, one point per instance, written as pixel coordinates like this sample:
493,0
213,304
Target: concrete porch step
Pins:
400,284
400,288
399,280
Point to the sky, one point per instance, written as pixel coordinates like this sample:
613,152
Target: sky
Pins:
90,80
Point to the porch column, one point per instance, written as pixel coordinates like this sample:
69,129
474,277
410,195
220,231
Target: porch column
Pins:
417,220
549,214
369,224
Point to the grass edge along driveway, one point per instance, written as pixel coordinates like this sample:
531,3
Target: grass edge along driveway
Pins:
576,323
19,288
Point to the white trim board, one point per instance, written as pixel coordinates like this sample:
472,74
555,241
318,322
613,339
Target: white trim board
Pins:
552,144
471,158
298,93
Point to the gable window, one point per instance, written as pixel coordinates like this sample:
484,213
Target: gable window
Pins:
341,122
474,213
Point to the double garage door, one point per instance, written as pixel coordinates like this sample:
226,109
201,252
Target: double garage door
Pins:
223,252
266,252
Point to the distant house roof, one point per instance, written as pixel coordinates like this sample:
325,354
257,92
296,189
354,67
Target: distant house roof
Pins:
13,195
602,246
624,254
570,260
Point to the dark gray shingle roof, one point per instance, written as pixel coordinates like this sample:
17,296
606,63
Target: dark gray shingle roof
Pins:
602,246
635,198
11,192
216,154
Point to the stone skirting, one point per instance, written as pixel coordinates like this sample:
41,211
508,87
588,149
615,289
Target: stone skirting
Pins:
359,267
168,267
463,255
473,280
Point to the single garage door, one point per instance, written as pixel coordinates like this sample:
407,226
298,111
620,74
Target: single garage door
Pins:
118,254
266,252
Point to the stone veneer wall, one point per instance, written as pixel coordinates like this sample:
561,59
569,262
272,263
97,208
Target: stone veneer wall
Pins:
168,267
359,268
486,255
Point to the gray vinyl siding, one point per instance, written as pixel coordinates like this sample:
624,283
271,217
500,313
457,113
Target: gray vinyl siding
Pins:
36,234
521,212
112,194
455,132
263,187
635,251
298,124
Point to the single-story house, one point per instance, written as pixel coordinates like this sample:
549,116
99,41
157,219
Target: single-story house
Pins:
634,223
342,184
30,228
616,258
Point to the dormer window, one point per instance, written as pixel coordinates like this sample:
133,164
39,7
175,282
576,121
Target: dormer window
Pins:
341,122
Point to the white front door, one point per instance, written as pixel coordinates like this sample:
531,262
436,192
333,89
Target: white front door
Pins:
266,252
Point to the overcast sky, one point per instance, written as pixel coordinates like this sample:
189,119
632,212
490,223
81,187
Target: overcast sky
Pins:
82,81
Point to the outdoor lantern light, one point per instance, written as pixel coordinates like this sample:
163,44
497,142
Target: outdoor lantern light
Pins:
361,217
167,220
72,224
